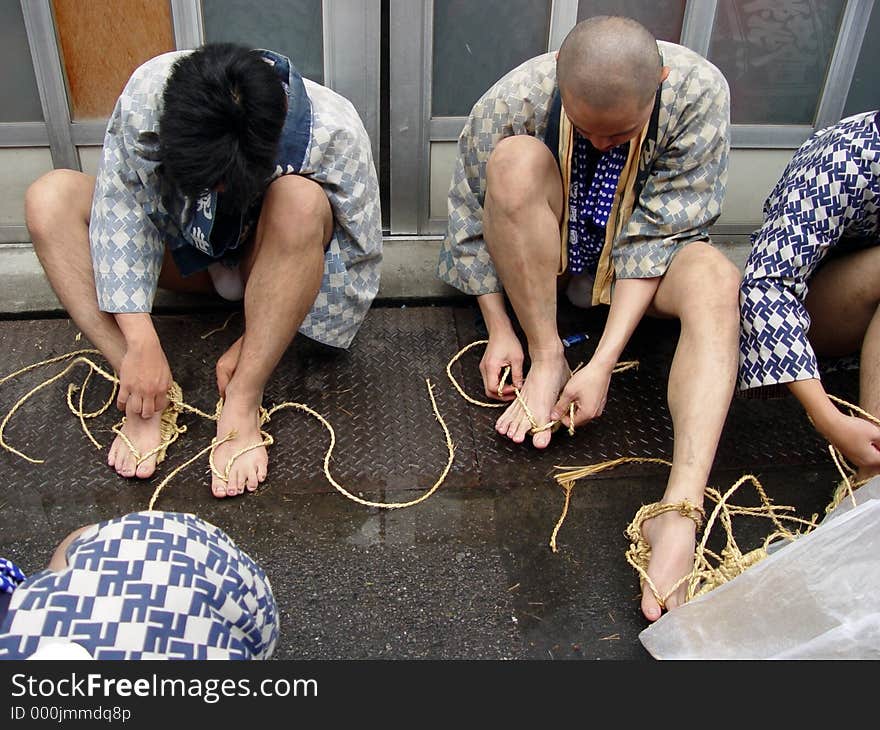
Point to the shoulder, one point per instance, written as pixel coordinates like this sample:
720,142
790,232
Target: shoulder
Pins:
527,86
854,139
332,112
535,71
690,73
153,72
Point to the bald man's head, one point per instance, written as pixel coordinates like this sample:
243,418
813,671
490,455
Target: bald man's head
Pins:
608,61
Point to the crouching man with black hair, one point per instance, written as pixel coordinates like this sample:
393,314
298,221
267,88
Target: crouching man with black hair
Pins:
223,170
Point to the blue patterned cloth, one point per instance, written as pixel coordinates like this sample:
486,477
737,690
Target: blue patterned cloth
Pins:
827,197
148,585
591,195
10,576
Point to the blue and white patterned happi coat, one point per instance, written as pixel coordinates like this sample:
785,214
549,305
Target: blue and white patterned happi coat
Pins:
148,585
684,166
829,192
323,140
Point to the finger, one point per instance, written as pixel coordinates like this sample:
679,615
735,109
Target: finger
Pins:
134,404
516,373
491,379
560,408
148,407
508,392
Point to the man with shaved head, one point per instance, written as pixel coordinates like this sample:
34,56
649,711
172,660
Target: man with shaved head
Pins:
597,171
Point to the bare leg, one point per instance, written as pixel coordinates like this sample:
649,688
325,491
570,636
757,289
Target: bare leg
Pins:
521,217
284,271
700,288
57,210
843,305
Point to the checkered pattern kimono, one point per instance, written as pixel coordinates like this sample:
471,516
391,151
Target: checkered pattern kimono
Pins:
148,585
134,217
677,171
829,193
668,196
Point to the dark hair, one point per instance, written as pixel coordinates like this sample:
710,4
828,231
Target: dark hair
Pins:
223,111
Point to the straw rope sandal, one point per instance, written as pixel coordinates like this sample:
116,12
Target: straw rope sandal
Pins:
169,431
267,440
639,553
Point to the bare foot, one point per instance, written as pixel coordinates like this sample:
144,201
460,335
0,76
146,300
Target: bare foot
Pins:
672,538
248,470
145,435
541,389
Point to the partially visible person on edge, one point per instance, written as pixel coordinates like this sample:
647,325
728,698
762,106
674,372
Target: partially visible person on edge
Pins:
599,170
811,284
147,585
224,171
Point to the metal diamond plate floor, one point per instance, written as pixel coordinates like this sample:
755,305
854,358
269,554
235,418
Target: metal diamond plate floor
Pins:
467,573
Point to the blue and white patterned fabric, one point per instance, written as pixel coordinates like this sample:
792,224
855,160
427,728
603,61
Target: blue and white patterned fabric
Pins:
148,585
10,576
134,216
828,194
590,200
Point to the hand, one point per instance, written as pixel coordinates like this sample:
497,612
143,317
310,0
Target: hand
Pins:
856,438
144,379
504,349
588,390
226,365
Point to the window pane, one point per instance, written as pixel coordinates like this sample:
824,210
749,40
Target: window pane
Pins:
864,92
19,97
476,43
102,42
292,27
662,17
775,54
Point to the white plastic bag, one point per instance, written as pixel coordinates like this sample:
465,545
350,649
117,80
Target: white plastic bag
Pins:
815,598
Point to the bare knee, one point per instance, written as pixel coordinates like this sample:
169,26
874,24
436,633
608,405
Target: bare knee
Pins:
296,214
55,200
710,282
521,173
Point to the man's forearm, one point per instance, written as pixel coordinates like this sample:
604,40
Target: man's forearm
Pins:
632,297
815,401
137,328
494,312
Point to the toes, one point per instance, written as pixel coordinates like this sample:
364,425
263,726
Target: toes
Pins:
519,430
262,470
125,465
146,468
253,480
111,457
541,440
218,487
235,485
650,608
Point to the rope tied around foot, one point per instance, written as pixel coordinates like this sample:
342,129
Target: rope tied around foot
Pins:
171,431
505,374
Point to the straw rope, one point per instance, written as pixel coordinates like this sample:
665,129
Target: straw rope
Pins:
170,431
505,374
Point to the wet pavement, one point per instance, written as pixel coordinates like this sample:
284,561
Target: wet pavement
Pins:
466,574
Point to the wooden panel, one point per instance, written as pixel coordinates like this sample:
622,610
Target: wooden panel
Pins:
102,42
